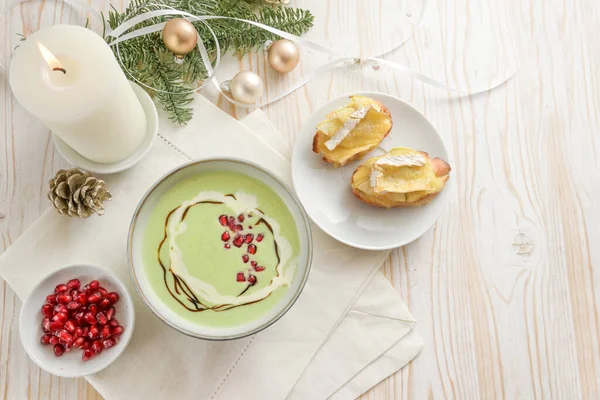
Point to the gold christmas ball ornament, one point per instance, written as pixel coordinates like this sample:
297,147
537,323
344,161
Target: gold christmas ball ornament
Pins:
179,36
283,56
245,87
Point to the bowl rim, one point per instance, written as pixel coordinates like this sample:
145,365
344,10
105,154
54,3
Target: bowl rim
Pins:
125,339
286,187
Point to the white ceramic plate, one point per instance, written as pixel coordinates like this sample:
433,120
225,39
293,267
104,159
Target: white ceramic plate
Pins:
145,209
70,365
326,194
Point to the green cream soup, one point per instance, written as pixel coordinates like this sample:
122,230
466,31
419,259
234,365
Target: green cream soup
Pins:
220,249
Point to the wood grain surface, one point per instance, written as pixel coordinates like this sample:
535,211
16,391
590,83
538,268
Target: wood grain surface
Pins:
505,286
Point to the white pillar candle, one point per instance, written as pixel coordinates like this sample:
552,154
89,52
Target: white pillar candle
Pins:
68,77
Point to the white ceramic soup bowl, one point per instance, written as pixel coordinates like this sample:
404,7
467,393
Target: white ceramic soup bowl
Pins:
145,209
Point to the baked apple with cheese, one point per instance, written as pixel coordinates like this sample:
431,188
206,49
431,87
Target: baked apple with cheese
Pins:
402,178
350,132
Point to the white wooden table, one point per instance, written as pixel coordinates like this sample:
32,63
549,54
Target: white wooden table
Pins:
506,287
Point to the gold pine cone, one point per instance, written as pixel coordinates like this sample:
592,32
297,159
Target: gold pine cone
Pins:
77,193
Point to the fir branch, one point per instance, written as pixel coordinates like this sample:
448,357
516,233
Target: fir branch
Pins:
147,60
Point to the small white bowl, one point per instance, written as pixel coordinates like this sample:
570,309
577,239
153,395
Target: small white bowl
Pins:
80,161
70,365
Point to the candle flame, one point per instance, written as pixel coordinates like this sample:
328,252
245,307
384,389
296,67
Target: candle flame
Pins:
52,61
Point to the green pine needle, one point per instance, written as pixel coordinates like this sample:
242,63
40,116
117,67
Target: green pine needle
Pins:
148,60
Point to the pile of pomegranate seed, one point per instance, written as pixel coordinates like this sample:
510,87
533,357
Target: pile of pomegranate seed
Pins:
80,317
238,236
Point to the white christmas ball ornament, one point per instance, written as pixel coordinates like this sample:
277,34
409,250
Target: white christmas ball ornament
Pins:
246,87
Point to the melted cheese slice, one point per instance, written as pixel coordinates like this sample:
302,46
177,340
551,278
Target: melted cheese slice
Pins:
353,120
356,127
403,171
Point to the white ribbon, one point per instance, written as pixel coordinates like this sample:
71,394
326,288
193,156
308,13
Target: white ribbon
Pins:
119,35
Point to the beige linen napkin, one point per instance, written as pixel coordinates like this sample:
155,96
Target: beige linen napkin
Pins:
377,315
160,362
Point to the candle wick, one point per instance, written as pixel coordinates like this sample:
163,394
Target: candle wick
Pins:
64,71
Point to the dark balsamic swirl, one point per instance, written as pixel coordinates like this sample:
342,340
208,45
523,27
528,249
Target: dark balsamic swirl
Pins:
178,287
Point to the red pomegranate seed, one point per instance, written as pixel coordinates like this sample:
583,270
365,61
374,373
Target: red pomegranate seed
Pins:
225,236
105,332
70,326
89,318
231,220
51,299
245,258
227,245
238,240
108,343
241,217
260,237
249,238
113,297
117,330
47,310
78,332
81,298
252,279
105,304
60,308
53,339
94,332
110,313
79,317
94,285
86,330
73,305
63,298
59,350
74,292
86,289
240,277
79,342
251,249
113,322
223,220
259,268
101,318
103,291
60,317
239,228
65,336
45,339
96,297
253,263
87,354
74,284
93,309
87,344
55,325
60,288
97,347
